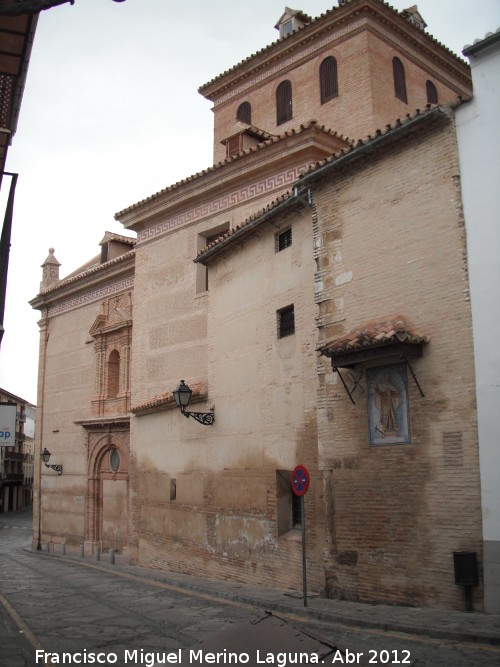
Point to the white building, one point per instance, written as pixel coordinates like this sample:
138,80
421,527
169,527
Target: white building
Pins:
479,150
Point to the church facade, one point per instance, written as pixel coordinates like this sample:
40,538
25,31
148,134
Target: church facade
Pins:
311,289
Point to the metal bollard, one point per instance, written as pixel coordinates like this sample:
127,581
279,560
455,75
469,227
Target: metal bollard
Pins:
63,549
97,552
112,556
82,550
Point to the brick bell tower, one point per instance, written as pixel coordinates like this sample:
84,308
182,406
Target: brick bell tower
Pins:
354,69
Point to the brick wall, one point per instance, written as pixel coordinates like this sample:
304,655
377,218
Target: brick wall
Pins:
364,51
392,241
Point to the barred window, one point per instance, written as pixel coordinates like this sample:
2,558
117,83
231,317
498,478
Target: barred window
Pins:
286,321
398,71
244,113
328,79
284,240
284,102
432,93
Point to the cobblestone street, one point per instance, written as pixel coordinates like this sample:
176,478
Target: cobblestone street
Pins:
57,604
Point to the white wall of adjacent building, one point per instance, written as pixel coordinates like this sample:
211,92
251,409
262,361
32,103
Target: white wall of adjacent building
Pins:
479,150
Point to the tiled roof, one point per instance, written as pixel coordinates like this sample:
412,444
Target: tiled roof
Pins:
166,399
379,138
309,27
111,236
91,267
316,170
239,128
375,334
481,43
262,145
240,230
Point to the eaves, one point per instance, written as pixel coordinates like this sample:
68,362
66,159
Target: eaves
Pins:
66,288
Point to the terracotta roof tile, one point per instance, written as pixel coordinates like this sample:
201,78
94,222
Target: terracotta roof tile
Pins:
311,25
381,136
91,267
396,329
260,146
317,169
240,229
111,236
166,399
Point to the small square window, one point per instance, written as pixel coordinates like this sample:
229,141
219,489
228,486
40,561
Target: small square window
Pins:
286,322
287,28
284,240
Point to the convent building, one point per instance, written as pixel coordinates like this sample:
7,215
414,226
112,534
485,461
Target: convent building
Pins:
310,288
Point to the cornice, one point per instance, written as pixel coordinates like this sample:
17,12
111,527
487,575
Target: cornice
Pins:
299,146
337,18
103,279
103,423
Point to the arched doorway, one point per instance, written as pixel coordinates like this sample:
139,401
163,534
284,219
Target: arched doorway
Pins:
107,522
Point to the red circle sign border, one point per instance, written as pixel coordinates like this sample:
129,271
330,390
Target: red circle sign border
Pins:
305,480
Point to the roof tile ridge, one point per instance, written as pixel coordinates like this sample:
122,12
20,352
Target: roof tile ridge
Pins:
355,144
254,216
93,269
280,40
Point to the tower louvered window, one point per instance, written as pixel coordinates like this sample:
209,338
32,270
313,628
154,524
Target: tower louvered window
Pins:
328,79
284,102
432,93
233,146
398,71
244,113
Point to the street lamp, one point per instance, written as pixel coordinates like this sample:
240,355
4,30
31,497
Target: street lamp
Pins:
44,458
182,395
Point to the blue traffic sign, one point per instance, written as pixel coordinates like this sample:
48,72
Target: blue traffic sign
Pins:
300,480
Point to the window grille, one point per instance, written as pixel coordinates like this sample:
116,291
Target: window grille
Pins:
432,95
244,113
328,79
286,322
398,71
284,240
284,102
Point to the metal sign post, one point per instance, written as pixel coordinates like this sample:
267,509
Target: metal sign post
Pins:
300,485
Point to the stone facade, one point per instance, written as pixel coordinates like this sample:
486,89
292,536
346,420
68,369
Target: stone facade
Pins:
298,239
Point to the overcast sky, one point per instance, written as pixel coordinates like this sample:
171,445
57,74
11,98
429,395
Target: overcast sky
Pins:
111,115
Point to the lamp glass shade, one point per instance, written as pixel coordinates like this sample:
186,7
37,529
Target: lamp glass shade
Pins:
182,395
45,455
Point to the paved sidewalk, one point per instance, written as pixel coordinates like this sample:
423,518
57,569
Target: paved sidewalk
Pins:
436,623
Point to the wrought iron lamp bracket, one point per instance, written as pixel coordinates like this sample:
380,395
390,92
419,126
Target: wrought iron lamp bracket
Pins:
57,467
205,418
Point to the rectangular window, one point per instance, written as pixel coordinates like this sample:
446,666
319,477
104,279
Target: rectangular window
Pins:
284,240
287,28
296,511
286,321
288,504
203,240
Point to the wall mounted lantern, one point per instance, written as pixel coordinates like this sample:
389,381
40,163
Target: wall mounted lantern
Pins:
182,397
45,458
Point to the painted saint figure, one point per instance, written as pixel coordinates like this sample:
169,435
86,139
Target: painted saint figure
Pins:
387,399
